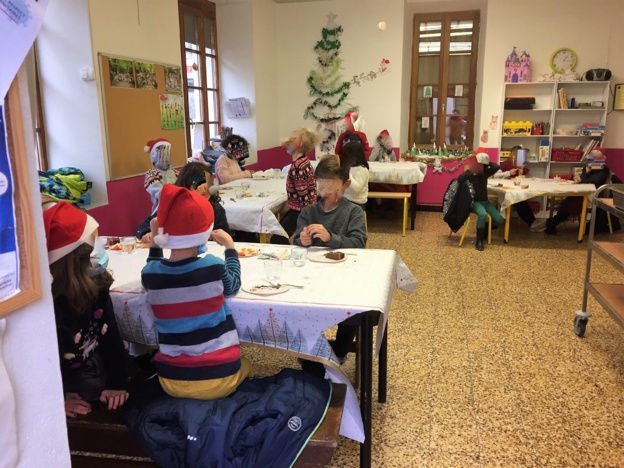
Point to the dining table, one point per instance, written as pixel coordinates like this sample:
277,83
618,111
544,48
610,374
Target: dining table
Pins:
293,317
260,207
509,193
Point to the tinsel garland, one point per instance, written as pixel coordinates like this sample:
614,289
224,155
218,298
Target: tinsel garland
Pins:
328,59
326,103
314,90
327,45
337,31
326,143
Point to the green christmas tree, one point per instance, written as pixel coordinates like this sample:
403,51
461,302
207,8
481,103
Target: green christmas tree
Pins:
326,83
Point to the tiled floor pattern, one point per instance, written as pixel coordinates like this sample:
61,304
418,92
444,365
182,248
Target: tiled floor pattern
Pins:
485,369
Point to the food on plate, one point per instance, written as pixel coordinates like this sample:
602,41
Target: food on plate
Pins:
110,241
265,287
246,252
248,194
115,247
500,185
335,255
525,186
506,187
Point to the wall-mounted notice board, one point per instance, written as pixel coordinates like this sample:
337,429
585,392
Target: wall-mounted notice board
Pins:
20,281
140,100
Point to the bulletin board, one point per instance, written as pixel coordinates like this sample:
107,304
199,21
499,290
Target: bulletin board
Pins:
29,282
133,117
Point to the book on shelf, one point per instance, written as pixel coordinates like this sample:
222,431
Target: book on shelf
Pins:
589,146
563,98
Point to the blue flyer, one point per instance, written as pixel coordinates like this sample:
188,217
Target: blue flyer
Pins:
9,259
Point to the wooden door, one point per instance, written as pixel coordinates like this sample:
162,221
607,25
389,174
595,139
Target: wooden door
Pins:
444,68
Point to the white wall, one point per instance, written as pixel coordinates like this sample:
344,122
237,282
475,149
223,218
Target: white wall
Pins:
236,67
363,46
592,29
70,105
31,352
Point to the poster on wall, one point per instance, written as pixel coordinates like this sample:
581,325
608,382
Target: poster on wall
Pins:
173,79
171,111
19,25
9,258
145,75
121,73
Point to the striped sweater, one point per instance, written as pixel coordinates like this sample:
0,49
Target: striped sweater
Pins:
196,332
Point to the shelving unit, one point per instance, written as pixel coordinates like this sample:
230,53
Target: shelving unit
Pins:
610,296
546,109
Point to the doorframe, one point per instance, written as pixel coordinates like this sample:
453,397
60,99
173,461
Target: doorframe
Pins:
445,18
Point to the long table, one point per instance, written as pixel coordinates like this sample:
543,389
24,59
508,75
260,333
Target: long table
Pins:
509,194
295,320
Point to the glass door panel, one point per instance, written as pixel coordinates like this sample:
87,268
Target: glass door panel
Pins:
209,39
190,31
443,76
211,72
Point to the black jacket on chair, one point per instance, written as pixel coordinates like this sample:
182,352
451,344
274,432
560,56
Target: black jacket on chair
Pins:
458,200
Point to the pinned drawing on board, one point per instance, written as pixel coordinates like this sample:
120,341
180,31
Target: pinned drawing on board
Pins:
145,75
173,79
171,111
121,73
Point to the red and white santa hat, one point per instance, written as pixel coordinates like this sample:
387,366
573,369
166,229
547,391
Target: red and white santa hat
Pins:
482,156
67,228
185,218
152,146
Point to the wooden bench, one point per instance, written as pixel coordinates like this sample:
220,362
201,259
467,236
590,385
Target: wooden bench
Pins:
102,440
395,196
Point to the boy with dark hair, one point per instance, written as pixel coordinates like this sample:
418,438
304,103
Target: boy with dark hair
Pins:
336,223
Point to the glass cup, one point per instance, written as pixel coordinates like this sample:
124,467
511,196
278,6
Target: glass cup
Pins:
273,269
240,193
298,255
128,244
245,184
517,182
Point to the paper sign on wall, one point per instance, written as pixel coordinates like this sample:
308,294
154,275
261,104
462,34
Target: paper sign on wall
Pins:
237,108
20,22
424,122
459,90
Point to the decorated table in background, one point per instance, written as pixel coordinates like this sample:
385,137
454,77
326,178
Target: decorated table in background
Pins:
255,213
510,194
293,321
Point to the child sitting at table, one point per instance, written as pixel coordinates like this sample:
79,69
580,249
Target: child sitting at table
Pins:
352,156
199,355
336,223
300,181
480,168
92,355
596,172
227,168
197,177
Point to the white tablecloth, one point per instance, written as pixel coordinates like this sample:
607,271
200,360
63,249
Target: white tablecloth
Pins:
255,214
537,188
402,173
294,320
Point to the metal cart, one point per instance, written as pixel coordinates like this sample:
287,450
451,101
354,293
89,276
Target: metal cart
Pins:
610,296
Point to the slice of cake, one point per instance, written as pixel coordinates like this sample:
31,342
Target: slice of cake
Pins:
335,255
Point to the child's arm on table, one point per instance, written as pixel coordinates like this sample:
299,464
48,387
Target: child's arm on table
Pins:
232,270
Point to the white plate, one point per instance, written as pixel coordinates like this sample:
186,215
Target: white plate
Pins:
263,288
247,256
254,177
321,258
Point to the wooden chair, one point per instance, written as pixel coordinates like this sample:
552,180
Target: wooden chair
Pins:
465,229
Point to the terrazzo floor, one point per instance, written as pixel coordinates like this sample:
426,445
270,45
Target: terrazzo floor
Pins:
484,367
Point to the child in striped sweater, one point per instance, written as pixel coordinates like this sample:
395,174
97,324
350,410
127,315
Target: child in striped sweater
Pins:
199,355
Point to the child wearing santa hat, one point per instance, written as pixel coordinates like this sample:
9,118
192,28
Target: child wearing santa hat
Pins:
161,172
480,168
382,149
199,352
596,172
351,121
92,354
227,167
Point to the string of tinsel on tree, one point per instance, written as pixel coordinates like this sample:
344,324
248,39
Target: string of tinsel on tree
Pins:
337,31
328,59
314,90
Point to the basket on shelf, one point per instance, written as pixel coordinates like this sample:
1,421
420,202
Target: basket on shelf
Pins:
566,155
